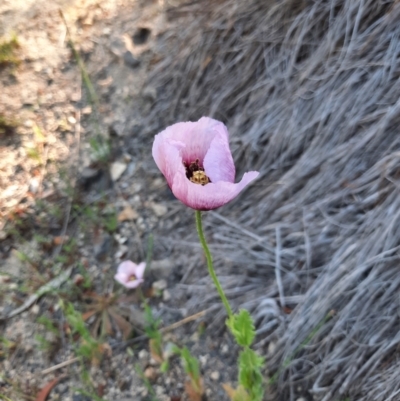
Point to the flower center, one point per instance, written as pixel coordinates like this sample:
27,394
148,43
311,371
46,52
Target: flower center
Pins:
195,173
132,277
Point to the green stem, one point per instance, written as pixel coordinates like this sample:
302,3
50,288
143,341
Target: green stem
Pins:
210,265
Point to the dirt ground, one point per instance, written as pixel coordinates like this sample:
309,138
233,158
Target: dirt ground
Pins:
79,194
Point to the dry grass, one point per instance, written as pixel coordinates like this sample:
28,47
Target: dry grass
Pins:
310,92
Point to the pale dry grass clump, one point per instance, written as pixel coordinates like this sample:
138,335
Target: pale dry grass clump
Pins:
310,91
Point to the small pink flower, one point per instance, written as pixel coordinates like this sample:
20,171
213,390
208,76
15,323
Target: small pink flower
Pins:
130,274
196,161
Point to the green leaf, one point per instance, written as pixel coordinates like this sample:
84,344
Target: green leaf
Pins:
189,362
164,367
242,328
250,376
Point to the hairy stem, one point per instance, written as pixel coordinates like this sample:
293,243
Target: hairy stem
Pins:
210,265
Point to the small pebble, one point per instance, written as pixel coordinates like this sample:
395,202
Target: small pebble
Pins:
35,309
117,169
34,185
166,295
160,285
153,362
143,354
215,376
224,349
159,390
159,209
71,120
271,348
150,373
203,359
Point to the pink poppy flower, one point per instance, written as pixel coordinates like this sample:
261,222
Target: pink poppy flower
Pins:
129,274
196,161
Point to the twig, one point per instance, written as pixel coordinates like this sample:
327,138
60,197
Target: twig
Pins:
278,265
59,366
51,285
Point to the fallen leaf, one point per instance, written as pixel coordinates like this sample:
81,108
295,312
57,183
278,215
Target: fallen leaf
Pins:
45,391
127,214
123,324
88,314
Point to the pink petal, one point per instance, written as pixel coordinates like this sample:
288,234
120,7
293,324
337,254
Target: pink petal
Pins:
218,162
210,196
208,141
127,268
167,156
121,278
186,142
133,283
140,268
126,281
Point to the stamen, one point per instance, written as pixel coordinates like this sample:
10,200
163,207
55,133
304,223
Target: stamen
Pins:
199,177
195,173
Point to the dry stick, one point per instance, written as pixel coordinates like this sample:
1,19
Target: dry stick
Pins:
278,266
188,319
59,366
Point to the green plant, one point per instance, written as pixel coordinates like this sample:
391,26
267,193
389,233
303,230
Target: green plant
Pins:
110,222
101,149
192,369
43,344
7,52
48,324
155,337
250,364
87,281
250,379
88,348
